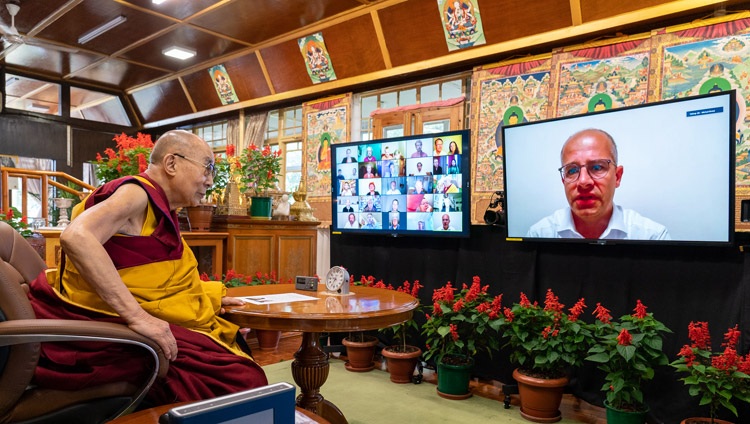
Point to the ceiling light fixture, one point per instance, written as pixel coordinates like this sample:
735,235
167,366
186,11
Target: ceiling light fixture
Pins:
178,52
101,29
158,1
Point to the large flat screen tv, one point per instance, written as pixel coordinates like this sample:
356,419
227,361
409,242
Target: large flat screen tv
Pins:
668,178
413,185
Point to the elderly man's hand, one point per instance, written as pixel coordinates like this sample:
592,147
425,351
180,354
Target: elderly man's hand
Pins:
158,331
230,301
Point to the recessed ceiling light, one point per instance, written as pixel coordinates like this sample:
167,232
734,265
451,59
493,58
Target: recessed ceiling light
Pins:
179,52
158,1
101,29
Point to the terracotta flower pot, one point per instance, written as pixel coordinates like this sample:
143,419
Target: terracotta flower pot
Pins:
268,339
540,397
401,364
702,420
360,353
200,217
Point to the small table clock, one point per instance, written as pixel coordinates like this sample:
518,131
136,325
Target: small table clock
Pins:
337,281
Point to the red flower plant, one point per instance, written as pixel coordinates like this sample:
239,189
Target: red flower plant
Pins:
235,279
544,341
462,322
715,377
261,168
627,351
131,157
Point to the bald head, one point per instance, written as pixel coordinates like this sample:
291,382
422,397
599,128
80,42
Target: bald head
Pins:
589,132
175,141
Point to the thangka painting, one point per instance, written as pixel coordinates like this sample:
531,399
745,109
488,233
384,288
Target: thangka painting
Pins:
504,94
317,60
462,23
705,59
326,122
601,78
223,85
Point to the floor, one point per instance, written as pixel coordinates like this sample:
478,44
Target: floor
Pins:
571,407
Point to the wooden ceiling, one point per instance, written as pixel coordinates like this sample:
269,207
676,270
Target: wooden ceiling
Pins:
368,41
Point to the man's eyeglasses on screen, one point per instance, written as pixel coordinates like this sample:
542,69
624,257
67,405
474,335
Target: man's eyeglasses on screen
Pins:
596,168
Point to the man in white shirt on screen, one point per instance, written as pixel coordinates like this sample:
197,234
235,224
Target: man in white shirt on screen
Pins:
446,223
590,175
394,188
351,221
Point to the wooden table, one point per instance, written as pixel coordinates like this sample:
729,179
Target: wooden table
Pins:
365,309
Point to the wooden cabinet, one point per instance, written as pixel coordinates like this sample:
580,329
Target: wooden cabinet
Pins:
286,247
211,262
53,247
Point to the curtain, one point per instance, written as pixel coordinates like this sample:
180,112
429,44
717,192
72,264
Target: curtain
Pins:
233,133
255,127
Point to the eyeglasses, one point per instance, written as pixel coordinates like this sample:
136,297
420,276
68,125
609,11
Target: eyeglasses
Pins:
596,168
210,168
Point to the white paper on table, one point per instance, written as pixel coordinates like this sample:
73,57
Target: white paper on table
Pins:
276,298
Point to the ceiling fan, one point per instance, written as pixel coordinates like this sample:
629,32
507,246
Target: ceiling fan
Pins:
11,36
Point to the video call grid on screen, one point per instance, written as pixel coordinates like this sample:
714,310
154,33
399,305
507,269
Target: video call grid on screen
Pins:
407,185
678,165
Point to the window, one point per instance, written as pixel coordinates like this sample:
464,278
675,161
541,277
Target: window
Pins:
215,134
32,95
44,97
284,131
406,95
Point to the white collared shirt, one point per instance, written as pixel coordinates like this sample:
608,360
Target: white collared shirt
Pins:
625,224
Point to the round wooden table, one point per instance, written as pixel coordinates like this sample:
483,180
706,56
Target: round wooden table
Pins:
366,308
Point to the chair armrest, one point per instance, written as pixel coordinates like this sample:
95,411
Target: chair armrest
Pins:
58,330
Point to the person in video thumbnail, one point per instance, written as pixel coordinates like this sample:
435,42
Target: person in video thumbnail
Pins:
446,220
346,189
368,171
419,153
436,168
370,223
369,156
438,146
453,168
393,221
394,188
349,158
372,191
590,175
419,169
351,221
348,206
370,206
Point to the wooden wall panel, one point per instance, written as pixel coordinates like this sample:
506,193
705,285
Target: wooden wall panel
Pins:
269,19
296,256
413,37
528,18
201,89
592,10
162,101
245,73
247,77
251,253
286,66
354,47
